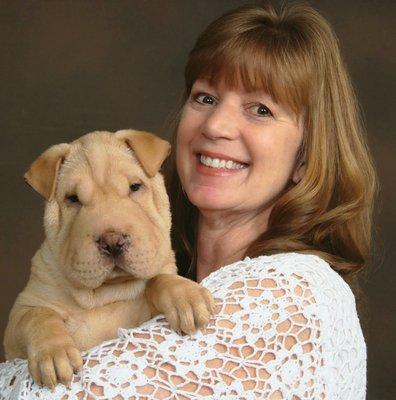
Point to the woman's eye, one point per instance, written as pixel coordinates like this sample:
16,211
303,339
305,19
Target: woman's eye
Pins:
135,187
73,199
261,110
204,98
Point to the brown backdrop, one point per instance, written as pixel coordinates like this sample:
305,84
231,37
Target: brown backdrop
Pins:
70,67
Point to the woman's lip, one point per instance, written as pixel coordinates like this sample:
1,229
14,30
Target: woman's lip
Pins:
205,170
219,156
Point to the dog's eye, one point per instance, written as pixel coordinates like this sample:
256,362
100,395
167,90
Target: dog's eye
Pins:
73,198
135,187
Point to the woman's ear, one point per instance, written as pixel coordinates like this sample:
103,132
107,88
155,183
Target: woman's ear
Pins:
298,172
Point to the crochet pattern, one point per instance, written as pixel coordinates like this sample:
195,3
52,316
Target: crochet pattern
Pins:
285,328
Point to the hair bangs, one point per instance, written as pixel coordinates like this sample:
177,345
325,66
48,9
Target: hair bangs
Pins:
254,65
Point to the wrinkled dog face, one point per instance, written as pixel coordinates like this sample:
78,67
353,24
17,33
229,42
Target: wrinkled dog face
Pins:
108,220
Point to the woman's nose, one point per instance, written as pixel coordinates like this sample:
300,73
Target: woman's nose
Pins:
221,123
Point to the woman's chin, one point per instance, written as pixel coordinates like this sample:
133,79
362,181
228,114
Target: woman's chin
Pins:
211,199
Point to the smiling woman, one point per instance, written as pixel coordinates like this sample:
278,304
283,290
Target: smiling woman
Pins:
271,187
268,88
221,124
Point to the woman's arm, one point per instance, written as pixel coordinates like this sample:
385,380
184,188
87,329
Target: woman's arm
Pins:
270,338
248,349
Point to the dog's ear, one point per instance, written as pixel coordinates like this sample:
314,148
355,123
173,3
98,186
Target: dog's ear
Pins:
42,174
149,149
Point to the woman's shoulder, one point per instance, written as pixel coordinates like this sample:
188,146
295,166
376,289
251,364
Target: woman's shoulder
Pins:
285,265
293,272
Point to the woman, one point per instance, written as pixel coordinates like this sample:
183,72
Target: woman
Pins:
274,182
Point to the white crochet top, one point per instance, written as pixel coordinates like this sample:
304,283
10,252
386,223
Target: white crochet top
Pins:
286,328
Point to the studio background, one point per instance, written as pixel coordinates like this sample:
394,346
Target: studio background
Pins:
71,67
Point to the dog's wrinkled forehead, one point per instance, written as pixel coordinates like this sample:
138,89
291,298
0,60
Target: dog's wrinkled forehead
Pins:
150,152
98,157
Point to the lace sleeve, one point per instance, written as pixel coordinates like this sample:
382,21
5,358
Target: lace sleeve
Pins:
285,328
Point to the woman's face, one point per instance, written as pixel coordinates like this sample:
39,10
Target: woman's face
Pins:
236,150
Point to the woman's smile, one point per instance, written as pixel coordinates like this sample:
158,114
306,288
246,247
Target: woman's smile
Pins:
217,164
232,142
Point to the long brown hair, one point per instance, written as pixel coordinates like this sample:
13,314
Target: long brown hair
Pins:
292,53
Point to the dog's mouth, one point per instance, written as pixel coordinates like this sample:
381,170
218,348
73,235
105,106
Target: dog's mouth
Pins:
118,275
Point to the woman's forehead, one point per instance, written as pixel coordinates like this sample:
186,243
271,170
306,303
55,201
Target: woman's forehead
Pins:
235,78
222,84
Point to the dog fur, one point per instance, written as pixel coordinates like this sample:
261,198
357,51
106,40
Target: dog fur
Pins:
104,194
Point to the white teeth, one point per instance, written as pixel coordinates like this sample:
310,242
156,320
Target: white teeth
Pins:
216,163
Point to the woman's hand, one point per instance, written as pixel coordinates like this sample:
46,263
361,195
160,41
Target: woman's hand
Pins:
186,304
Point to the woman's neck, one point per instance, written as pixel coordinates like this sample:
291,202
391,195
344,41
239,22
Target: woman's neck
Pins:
224,239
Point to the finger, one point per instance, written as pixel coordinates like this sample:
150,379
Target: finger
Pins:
75,358
63,368
34,371
186,316
47,370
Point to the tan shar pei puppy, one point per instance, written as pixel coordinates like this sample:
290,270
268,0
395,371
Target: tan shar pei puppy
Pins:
106,261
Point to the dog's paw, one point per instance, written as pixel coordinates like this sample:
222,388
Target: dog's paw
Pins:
186,304
54,362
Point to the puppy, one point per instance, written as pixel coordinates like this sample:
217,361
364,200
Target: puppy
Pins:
106,261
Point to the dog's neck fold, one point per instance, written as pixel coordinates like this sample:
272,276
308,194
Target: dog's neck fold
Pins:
108,293
49,275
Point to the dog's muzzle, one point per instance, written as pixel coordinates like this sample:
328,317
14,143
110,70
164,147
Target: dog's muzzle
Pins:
113,244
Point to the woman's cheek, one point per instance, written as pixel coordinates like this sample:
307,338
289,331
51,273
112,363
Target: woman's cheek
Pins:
182,164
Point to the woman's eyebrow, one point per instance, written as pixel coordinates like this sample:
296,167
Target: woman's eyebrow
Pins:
202,85
262,94
267,99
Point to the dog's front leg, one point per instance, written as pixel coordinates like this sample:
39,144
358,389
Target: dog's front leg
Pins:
51,352
186,304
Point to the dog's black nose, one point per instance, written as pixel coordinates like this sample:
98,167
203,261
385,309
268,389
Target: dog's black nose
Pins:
112,243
